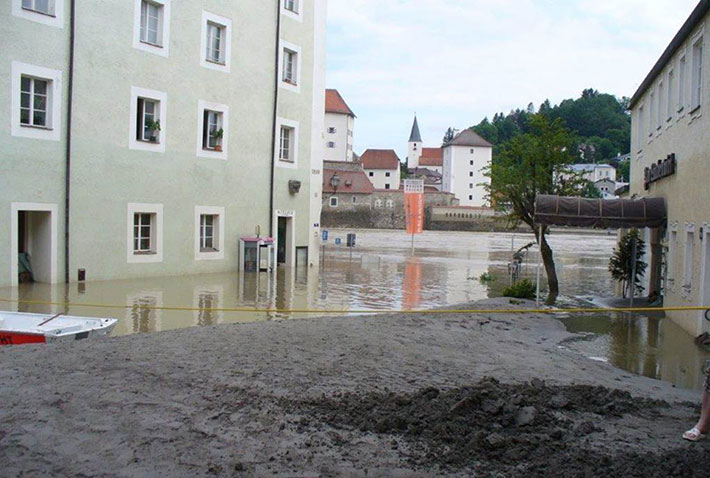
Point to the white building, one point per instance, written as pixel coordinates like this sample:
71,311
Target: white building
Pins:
339,127
466,158
382,168
414,146
595,172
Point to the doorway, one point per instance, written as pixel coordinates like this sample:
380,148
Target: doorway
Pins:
34,243
703,322
284,244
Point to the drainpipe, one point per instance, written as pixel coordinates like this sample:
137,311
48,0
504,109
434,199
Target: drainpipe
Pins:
276,110
67,174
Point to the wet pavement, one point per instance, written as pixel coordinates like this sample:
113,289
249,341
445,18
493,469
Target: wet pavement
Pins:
382,274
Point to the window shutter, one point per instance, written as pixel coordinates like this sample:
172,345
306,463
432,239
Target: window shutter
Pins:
139,120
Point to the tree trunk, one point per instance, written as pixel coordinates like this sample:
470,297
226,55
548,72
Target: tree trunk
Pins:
549,263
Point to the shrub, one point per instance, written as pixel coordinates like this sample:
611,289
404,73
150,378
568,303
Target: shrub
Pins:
523,289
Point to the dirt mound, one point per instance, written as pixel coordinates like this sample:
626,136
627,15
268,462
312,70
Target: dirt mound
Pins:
511,430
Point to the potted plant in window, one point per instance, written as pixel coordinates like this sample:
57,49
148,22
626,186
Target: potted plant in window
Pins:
154,127
218,139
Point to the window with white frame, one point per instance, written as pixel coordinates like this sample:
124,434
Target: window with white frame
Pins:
387,186
471,150
371,174
212,130
215,43
334,201
286,141
689,249
148,120
682,67
470,197
378,203
470,173
209,233
34,102
290,66
208,227
669,96
696,83
291,5
671,259
331,130
41,6
659,112
470,162
388,174
470,185
640,128
331,144
390,203
151,23
144,233
651,113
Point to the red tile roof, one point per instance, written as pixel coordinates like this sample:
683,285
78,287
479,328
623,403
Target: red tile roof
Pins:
432,157
334,103
380,159
351,182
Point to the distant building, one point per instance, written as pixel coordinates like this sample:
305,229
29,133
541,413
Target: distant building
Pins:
432,179
670,159
339,128
433,159
466,158
382,168
351,189
595,172
414,146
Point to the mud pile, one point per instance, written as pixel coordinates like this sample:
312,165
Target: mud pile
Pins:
512,430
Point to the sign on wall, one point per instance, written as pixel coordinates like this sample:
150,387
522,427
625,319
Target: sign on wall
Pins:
660,170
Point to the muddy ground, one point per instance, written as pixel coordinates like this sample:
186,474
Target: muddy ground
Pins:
389,395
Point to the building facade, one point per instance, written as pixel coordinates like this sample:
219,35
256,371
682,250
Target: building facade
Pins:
466,159
382,167
146,137
670,143
339,128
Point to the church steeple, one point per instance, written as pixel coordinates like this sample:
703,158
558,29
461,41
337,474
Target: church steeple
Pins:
415,145
415,136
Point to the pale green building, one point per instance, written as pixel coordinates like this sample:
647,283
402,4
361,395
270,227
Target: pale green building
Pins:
145,137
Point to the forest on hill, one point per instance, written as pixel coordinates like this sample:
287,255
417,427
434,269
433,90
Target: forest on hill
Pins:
600,123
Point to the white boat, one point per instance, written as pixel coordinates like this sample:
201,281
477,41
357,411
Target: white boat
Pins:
23,328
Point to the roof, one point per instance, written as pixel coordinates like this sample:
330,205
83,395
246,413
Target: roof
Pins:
380,159
431,157
588,166
351,182
426,172
334,103
693,21
469,137
415,136
604,213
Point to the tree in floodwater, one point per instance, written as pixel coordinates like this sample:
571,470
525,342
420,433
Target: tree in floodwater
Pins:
530,164
621,266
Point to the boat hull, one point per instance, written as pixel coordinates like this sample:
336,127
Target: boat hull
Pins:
18,328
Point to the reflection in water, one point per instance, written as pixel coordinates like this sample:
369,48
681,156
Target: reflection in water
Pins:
382,274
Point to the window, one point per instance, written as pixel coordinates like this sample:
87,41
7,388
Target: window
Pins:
34,102
212,131
216,42
292,9
40,6
470,197
470,173
371,174
659,112
471,162
209,233
289,66
681,83
689,248
387,186
471,150
47,12
640,130
390,203
331,130
148,125
672,251
145,233
651,113
334,201
291,5
36,108
354,199
669,96
697,77
151,31
286,144
388,174
378,203
331,144
470,185
350,133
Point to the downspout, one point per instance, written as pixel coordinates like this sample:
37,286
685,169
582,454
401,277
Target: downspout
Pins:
276,111
67,174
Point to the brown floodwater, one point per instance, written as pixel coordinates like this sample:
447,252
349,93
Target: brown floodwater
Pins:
381,274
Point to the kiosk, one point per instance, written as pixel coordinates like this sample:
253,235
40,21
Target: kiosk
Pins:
257,254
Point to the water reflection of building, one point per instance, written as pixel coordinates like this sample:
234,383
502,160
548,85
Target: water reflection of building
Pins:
143,316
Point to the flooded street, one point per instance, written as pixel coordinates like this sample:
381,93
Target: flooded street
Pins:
382,275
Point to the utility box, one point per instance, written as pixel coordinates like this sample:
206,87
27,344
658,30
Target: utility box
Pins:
256,254
350,240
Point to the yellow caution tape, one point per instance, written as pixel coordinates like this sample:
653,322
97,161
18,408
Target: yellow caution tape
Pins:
355,311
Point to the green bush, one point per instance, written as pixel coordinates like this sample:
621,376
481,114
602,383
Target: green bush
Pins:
523,289
486,277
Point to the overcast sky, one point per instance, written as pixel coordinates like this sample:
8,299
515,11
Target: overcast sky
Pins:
456,61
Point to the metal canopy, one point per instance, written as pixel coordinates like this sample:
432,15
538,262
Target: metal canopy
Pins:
601,213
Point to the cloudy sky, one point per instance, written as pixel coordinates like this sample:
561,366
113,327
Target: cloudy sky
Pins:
456,61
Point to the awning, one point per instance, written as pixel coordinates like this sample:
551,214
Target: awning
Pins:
601,213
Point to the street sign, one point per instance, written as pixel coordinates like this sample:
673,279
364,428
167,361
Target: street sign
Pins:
338,241
325,235
351,240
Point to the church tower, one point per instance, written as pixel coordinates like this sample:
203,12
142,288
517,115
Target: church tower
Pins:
414,151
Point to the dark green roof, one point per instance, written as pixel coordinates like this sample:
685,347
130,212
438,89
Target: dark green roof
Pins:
416,136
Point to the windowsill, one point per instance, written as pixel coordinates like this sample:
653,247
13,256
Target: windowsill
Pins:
208,250
148,141
214,62
290,82
33,126
144,253
680,110
295,12
695,109
51,15
669,119
212,150
290,161
155,45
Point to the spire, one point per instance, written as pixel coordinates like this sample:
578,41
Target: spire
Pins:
416,136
